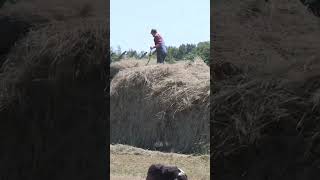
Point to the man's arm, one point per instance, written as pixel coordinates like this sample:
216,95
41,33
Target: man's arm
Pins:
157,45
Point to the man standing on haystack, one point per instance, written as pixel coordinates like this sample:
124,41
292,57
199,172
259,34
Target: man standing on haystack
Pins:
159,45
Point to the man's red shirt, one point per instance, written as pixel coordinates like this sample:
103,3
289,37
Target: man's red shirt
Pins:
158,40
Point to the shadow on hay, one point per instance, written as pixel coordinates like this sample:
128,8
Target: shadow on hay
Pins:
266,129
51,92
11,30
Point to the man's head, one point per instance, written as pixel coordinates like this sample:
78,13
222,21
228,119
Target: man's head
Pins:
153,32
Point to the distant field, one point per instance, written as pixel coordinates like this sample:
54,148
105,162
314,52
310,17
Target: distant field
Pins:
127,162
126,178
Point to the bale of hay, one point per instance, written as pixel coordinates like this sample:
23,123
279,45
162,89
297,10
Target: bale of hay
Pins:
163,106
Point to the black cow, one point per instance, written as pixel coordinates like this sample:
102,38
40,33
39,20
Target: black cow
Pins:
162,172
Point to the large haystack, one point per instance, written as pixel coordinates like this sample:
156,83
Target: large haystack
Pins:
161,104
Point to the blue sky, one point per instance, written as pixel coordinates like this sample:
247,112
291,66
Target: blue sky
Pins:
178,21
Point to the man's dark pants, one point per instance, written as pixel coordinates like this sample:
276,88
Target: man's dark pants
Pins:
161,55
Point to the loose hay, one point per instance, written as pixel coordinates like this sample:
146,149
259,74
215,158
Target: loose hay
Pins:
118,66
161,105
265,122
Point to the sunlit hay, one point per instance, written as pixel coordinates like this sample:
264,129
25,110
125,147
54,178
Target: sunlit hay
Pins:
166,105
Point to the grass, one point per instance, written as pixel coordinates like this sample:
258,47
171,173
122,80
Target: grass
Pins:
126,177
127,162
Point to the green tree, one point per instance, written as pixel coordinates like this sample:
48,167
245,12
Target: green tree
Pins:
182,51
170,55
190,56
190,48
203,51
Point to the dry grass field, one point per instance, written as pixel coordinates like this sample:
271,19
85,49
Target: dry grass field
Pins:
127,162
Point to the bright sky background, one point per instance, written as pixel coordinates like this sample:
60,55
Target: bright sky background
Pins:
178,21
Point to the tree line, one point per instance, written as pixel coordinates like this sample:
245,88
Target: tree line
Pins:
183,52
